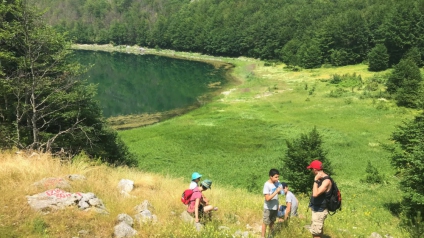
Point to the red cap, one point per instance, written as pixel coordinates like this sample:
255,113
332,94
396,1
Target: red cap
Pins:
316,164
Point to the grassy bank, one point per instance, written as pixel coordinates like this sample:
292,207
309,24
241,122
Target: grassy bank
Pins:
237,137
238,210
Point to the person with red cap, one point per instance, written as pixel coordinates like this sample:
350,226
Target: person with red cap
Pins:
320,194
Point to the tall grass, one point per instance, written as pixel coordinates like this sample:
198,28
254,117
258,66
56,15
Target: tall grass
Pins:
18,173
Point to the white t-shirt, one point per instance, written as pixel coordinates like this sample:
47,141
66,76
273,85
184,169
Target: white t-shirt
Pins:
291,198
269,189
192,185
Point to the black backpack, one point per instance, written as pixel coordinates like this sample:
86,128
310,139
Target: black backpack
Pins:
334,203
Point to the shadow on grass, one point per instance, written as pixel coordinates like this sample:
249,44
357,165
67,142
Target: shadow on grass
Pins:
394,208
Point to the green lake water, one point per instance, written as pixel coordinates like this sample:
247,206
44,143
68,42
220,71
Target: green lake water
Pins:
134,84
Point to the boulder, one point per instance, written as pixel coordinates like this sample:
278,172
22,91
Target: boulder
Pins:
123,230
58,199
125,218
75,177
125,186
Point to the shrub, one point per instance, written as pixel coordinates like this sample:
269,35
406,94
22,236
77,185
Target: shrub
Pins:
378,58
372,174
407,156
337,93
300,152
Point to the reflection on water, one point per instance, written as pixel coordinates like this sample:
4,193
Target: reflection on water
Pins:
133,84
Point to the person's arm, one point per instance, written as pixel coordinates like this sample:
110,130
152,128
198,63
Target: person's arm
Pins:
316,191
288,210
270,196
205,200
196,210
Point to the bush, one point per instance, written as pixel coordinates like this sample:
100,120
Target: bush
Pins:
378,58
405,84
407,156
339,92
372,175
300,152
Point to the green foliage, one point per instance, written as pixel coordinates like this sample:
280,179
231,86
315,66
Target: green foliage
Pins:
347,80
414,55
344,31
300,152
40,226
373,83
289,52
339,57
44,107
407,156
378,58
337,93
310,55
252,183
405,83
372,174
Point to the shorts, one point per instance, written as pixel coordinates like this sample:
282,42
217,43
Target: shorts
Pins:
269,216
318,219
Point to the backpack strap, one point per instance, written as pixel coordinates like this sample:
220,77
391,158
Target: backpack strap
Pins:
192,196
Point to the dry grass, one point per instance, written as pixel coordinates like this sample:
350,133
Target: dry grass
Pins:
18,173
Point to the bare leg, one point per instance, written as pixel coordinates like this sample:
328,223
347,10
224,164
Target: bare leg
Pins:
263,230
208,208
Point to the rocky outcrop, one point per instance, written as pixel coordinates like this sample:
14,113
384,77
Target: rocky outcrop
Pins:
55,199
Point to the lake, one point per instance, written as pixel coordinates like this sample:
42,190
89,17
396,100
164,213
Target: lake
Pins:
135,84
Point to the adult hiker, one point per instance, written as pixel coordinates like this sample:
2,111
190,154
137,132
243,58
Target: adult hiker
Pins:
320,194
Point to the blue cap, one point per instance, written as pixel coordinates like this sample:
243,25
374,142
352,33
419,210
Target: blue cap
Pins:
195,175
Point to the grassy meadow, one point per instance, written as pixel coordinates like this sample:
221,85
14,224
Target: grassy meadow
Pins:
234,139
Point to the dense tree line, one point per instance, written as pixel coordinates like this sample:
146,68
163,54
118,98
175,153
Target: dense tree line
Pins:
307,33
43,104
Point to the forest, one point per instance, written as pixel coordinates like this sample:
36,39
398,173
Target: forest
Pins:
305,33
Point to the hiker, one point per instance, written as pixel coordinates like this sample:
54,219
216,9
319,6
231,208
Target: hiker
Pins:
320,193
290,209
270,193
197,206
195,179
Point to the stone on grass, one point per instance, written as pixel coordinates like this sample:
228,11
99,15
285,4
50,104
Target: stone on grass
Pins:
186,217
123,230
125,218
375,235
145,205
125,186
75,177
55,199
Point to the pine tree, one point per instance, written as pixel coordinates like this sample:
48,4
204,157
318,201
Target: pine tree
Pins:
300,152
407,156
378,58
405,84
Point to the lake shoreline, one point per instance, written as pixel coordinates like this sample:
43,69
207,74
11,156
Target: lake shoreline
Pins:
126,122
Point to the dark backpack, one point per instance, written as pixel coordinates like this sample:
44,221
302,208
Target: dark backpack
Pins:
334,203
186,196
